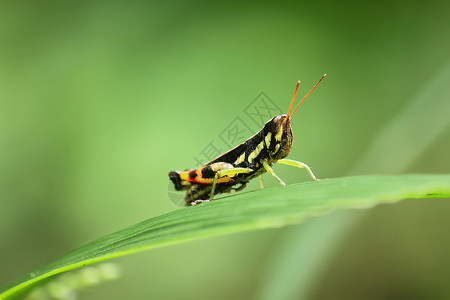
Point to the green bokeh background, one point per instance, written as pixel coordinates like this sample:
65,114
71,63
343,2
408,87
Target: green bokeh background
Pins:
100,99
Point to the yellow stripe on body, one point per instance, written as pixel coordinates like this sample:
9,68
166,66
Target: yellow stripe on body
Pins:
255,152
277,147
268,138
184,176
240,159
279,134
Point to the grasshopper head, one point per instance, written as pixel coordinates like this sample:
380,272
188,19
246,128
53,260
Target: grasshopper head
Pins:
280,131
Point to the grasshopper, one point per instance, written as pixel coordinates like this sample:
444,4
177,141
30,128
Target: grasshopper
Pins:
244,162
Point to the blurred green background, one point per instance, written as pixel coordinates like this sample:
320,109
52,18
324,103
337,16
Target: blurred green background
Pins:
99,100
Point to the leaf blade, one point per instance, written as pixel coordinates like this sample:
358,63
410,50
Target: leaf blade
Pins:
269,208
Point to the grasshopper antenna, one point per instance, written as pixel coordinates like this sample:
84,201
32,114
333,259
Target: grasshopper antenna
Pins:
305,96
293,98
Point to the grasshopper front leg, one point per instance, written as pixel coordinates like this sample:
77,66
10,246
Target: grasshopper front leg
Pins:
298,164
271,172
290,162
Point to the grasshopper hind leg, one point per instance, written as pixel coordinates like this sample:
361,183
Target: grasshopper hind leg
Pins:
198,193
227,172
198,201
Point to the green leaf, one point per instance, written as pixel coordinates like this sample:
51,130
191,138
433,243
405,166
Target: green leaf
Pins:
268,208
